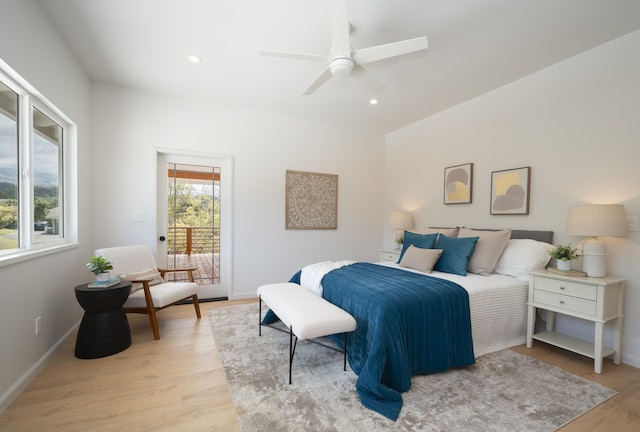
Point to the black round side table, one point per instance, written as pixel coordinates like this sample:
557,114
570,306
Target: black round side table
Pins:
104,329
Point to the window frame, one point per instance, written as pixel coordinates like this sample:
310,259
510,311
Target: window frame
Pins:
28,99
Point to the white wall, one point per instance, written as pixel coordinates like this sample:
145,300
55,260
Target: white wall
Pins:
129,125
43,286
576,124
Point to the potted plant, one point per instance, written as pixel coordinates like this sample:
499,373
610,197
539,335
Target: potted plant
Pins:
564,254
100,266
399,242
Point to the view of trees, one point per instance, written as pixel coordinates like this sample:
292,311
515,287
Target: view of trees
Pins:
8,214
7,190
46,198
197,206
193,205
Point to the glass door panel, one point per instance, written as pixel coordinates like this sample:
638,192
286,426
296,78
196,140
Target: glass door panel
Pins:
193,222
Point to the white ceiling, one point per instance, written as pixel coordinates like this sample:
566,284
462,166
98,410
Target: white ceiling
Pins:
474,46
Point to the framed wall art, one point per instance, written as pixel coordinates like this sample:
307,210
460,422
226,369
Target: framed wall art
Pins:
311,201
458,184
510,191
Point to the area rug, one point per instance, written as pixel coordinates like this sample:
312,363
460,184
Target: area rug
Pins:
503,391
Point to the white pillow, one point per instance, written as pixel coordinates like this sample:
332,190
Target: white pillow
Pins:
522,256
151,273
420,259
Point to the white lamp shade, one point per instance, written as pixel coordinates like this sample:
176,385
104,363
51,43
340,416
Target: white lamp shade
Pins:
597,220
400,220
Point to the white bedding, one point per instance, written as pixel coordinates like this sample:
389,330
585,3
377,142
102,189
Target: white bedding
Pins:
311,275
498,306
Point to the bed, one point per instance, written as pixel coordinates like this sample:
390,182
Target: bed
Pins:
410,322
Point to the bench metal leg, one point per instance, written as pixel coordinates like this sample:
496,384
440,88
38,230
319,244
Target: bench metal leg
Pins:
259,315
345,353
292,350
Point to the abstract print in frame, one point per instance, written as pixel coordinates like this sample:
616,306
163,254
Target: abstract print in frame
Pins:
510,191
311,201
458,182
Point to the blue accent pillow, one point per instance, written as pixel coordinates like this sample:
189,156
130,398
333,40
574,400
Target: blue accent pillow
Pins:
422,241
456,253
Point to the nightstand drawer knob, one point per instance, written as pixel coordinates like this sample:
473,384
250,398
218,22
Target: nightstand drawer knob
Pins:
561,301
562,287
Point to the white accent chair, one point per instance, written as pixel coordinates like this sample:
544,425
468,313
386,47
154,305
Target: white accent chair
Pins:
150,293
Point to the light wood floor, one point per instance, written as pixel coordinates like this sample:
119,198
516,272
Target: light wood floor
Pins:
178,384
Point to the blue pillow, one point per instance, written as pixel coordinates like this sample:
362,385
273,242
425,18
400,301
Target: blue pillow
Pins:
456,253
422,241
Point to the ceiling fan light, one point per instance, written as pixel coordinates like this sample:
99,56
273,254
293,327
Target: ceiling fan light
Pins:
341,66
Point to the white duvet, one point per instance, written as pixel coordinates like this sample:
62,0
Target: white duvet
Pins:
311,275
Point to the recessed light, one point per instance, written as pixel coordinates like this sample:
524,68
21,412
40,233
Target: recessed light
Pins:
194,59
373,101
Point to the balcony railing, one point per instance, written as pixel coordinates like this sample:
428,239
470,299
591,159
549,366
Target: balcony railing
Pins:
193,239
194,246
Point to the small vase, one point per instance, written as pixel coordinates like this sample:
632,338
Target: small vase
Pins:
103,277
564,265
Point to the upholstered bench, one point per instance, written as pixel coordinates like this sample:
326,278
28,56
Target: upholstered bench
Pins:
306,315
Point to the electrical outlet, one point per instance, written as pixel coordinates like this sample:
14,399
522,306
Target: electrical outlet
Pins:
633,223
38,325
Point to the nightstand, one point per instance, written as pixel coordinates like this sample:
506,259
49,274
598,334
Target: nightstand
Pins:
598,300
390,255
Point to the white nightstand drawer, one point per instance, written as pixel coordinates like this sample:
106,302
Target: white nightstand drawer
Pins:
583,291
565,302
389,255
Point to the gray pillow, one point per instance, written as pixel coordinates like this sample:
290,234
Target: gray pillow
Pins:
488,249
420,259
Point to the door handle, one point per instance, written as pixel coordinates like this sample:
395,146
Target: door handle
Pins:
162,238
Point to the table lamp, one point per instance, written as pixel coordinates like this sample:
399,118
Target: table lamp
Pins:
400,221
595,221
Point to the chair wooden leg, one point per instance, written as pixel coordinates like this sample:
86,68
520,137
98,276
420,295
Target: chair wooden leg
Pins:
154,324
151,311
196,304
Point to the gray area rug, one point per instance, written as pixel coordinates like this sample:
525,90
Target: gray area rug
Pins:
504,391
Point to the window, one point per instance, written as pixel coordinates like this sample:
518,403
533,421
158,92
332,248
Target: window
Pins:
35,138
47,178
8,168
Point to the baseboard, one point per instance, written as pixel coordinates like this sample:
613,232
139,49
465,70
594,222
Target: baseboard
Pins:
19,386
631,360
244,296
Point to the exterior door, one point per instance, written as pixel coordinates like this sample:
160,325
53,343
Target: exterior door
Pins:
193,227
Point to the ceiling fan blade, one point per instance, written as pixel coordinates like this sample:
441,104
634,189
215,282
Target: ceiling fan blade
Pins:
369,79
393,49
296,56
340,45
321,79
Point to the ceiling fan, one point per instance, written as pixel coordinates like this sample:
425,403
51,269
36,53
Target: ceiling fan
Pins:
343,60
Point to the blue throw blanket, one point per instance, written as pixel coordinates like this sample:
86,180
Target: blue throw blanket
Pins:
408,324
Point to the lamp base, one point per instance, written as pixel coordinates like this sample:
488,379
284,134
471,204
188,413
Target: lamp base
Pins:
594,257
